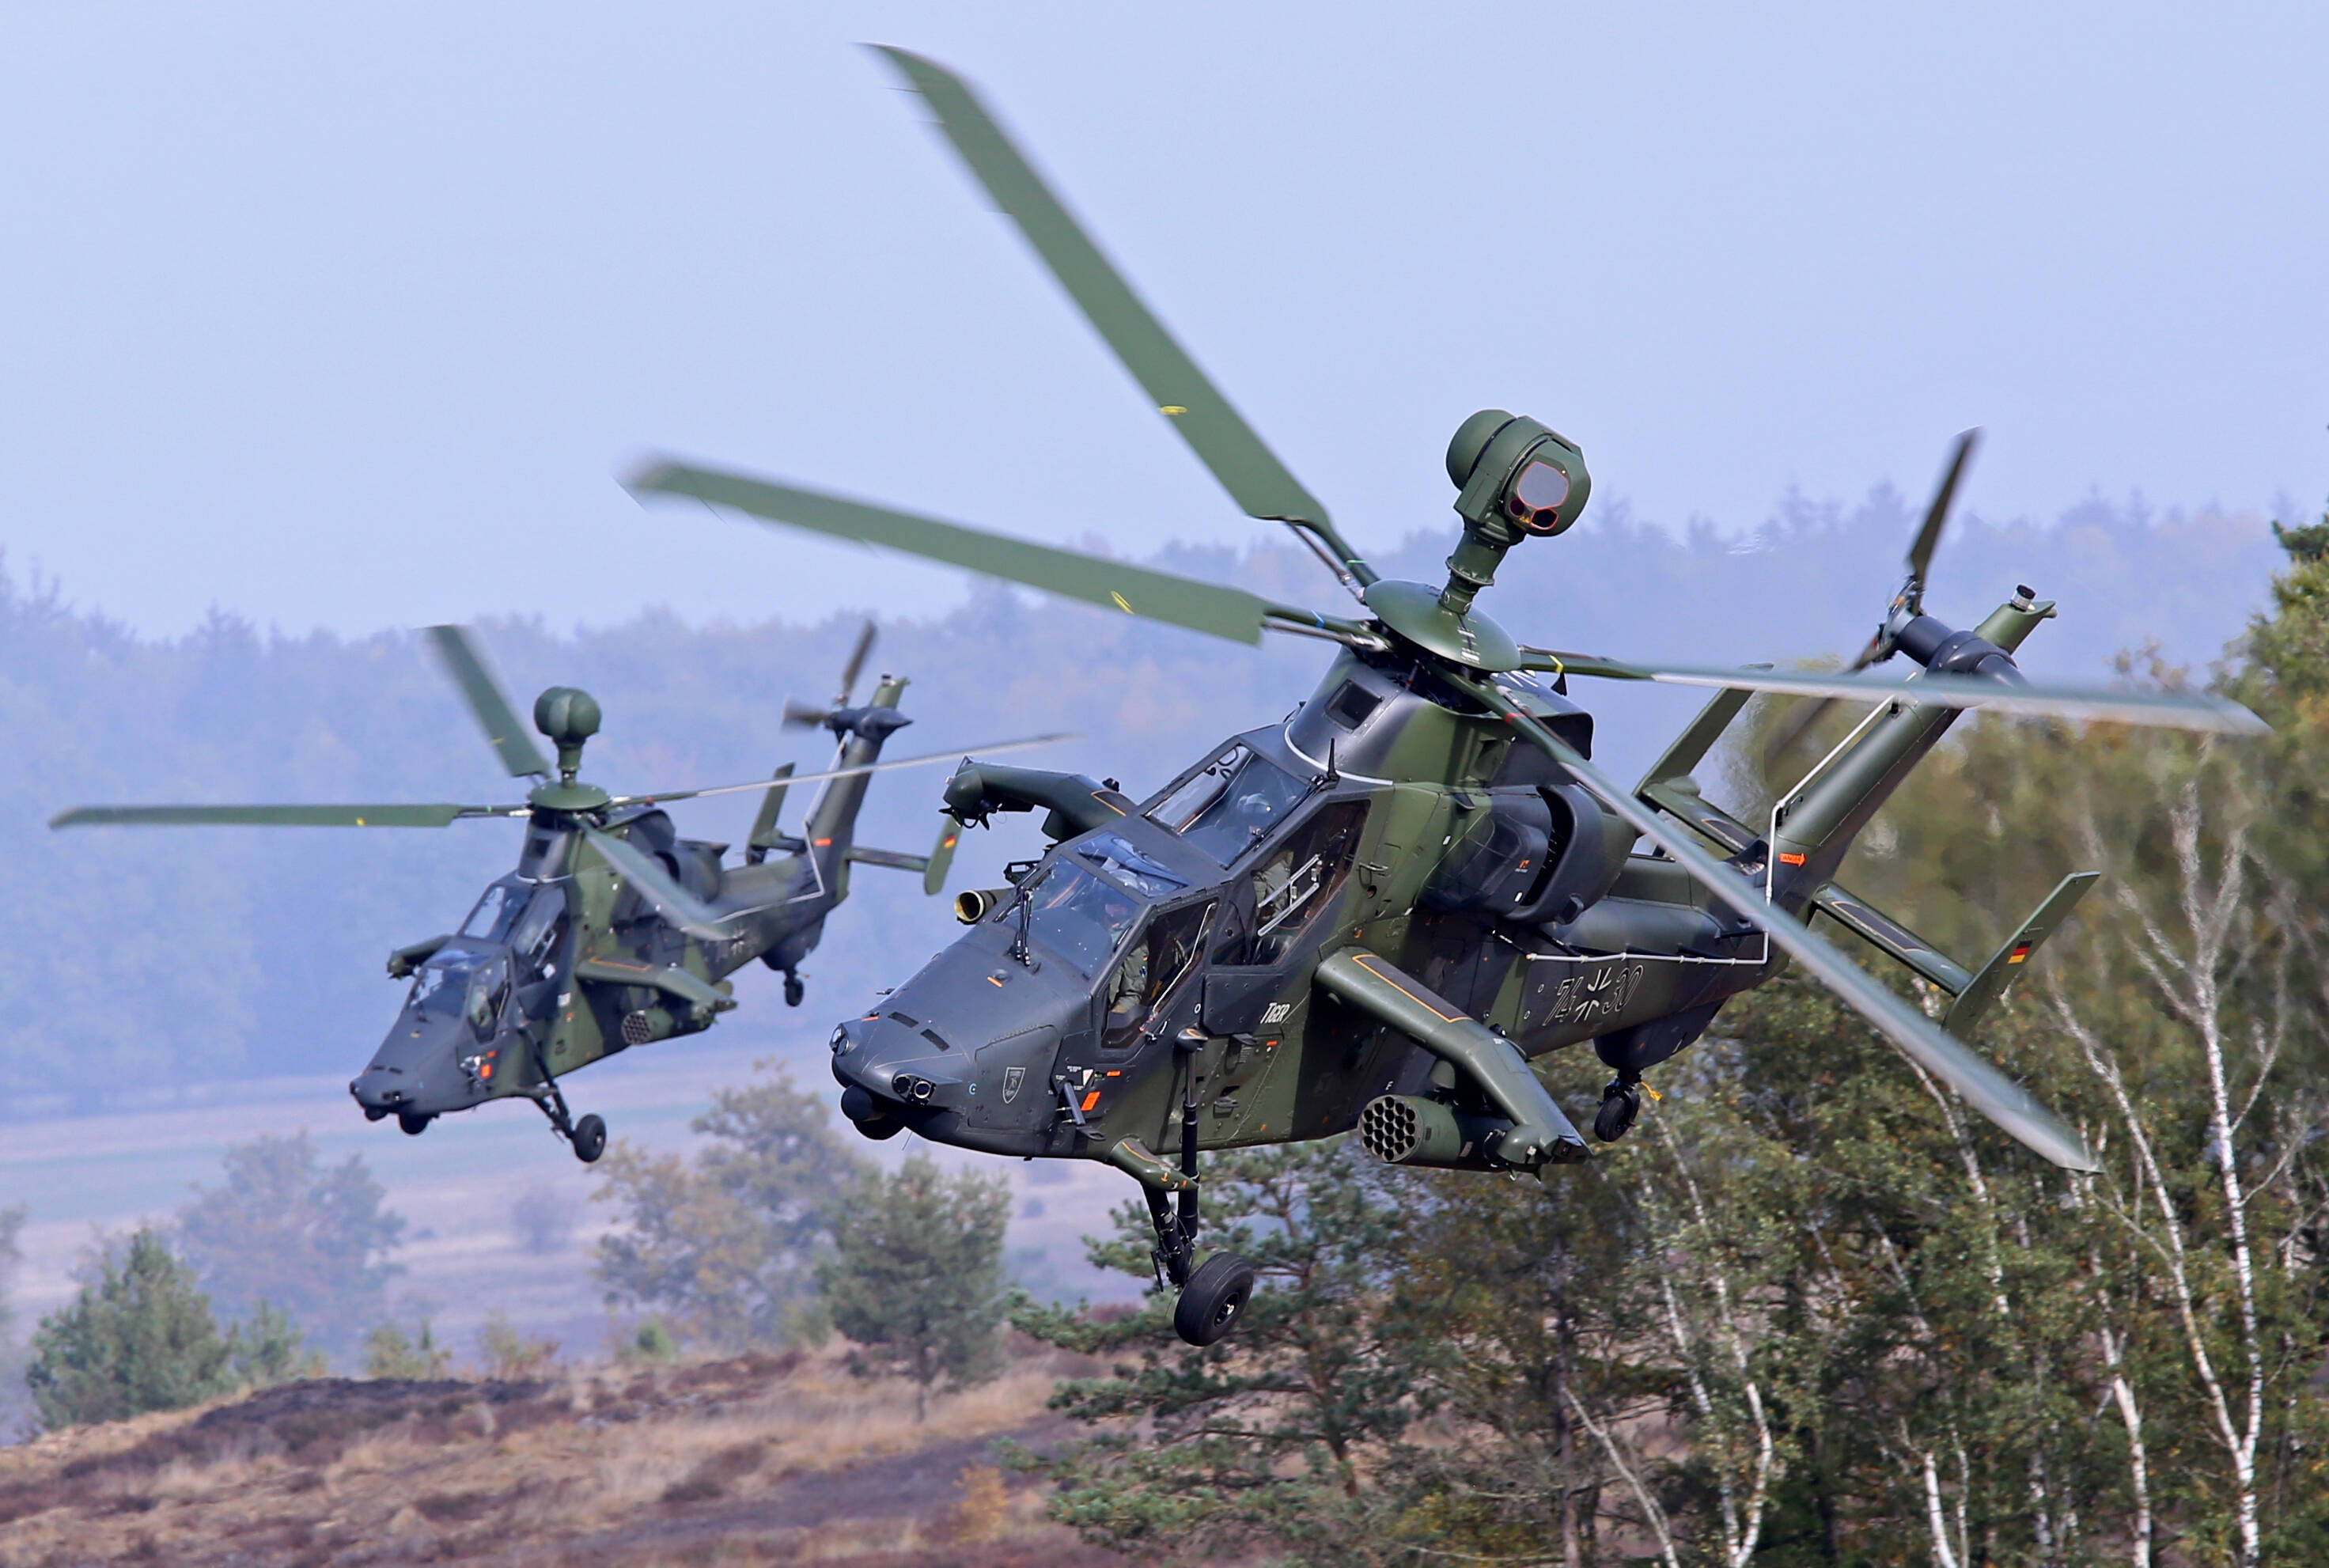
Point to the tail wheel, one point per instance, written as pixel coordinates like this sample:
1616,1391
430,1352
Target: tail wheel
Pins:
1621,1102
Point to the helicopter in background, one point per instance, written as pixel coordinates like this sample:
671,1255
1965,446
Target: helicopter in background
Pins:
613,930
1387,911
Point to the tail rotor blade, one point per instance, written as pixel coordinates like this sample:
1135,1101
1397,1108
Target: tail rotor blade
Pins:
856,667
1920,552
801,716
508,738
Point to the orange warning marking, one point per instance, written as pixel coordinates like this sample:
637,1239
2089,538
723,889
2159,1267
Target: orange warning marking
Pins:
1786,859
1092,1099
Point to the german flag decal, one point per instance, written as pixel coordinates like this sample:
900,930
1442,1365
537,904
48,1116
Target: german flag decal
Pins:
2020,951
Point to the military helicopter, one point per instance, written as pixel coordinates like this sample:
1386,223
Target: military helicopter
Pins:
1386,910
613,931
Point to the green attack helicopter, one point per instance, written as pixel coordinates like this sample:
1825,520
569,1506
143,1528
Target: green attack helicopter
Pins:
1385,911
613,931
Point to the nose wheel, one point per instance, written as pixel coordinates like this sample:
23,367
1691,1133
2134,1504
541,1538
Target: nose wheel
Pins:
1214,1295
1213,1299
795,989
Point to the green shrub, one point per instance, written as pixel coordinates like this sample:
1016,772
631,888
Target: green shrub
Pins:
140,1338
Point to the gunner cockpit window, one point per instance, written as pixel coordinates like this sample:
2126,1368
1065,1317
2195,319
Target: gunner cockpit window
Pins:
1230,803
1077,916
442,984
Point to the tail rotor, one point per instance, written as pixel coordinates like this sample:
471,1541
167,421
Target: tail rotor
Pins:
1906,606
837,715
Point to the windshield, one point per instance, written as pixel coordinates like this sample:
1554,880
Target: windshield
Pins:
1077,916
1127,865
443,981
1230,803
490,922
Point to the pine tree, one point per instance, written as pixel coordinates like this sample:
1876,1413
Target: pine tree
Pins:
915,1275
140,1338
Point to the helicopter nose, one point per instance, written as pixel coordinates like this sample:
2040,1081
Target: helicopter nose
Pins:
378,1089
417,1068
895,1060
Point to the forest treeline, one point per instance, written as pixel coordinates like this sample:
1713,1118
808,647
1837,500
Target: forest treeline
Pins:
146,960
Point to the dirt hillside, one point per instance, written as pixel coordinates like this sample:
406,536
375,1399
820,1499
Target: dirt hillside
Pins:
763,1459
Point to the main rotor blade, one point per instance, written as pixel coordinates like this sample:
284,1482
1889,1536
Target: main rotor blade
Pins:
1920,553
437,816
1984,1087
1247,469
670,899
508,737
1224,612
856,667
2156,710
886,765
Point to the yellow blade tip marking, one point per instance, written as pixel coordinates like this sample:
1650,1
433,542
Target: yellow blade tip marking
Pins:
1121,602
1171,409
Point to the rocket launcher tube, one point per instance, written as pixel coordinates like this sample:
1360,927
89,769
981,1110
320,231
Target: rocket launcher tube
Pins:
1541,1133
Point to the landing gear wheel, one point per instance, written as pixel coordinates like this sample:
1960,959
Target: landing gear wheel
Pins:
793,991
1621,1102
590,1139
1213,1299
413,1122
375,1112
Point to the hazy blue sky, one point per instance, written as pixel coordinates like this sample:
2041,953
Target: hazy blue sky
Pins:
347,317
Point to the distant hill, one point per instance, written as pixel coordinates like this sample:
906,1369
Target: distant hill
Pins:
142,961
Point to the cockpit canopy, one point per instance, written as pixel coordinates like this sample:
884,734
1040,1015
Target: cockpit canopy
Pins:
1227,805
462,983
1081,916
512,937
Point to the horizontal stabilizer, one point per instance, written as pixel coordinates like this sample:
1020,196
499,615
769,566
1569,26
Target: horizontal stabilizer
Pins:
1891,938
1975,1000
888,857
